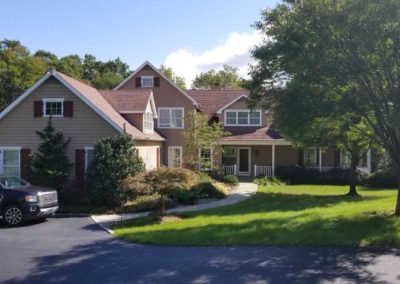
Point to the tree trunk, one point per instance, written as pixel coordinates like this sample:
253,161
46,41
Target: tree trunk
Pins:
353,176
397,211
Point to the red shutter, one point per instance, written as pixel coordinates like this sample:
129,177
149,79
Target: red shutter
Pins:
37,109
158,158
301,157
138,82
337,158
68,108
157,82
79,164
25,162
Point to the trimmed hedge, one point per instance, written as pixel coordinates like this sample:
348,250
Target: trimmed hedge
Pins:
303,175
382,178
231,180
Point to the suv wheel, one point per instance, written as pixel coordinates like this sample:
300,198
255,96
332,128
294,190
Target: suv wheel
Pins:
13,215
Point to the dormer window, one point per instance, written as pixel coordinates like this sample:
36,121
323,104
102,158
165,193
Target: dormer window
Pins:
53,107
147,81
242,118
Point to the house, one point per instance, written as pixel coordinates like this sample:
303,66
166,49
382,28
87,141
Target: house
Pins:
148,106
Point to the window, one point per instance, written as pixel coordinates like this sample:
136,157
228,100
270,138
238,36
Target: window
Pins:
147,81
148,122
53,107
310,157
242,118
205,159
174,156
89,151
229,152
344,159
10,162
170,117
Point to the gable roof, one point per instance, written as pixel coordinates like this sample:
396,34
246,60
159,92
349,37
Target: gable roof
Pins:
252,133
211,101
159,73
130,101
91,97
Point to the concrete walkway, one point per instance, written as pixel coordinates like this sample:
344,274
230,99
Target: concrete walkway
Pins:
242,192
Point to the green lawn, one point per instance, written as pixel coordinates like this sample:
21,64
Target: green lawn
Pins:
281,215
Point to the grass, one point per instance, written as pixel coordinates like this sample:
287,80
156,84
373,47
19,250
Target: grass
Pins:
280,215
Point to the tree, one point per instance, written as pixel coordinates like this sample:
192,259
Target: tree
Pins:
200,135
50,165
349,48
228,78
169,73
18,70
71,65
114,159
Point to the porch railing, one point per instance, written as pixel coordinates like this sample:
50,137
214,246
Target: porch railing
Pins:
229,170
263,170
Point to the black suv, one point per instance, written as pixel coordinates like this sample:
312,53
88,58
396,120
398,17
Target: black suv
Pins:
20,201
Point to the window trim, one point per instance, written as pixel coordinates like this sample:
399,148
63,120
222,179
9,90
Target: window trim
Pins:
170,116
316,157
146,77
237,117
180,155
86,156
53,100
5,148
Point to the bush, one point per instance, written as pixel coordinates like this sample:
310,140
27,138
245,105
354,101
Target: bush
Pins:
267,181
382,178
204,177
73,193
211,190
145,203
186,198
231,180
114,159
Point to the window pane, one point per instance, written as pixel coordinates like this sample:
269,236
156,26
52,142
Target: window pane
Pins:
53,108
164,118
243,118
310,157
229,152
255,118
174,157
205,159
11,163
177,118
147,81
230,117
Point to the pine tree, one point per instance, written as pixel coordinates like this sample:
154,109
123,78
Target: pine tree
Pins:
50,165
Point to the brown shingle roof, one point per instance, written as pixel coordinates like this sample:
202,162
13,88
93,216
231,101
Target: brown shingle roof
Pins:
128,101
252,133
212,100
97,101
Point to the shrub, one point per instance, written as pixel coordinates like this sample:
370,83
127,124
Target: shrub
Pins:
231,180
211,190
73,193
382,178
204,177
267,181
114,159
186,198
163,181
145,203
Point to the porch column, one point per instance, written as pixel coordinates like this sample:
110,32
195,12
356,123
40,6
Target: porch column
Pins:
369,162
320,159
273,159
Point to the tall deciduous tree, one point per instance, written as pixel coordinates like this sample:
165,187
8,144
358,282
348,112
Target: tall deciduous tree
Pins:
227,78
350,48
169,73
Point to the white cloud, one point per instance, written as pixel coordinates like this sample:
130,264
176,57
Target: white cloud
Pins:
234,51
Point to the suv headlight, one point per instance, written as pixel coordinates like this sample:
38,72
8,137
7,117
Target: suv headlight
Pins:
31,198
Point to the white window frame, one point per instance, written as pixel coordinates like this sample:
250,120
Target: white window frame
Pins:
143,78
316,157
53,100
180,155
237,111
201,159
149,122
86,156
229,156
170,109
2,149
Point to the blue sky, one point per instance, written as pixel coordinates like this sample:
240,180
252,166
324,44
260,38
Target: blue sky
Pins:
191,36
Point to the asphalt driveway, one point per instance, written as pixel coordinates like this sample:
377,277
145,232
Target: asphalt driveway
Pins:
75,250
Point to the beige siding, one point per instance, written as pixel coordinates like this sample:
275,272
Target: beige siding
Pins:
18,127
286,156
136,119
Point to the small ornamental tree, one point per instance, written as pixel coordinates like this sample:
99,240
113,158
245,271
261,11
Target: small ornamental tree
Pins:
50,165
200,134
114,158
163,181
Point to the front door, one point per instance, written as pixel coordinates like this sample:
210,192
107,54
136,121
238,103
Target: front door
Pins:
244,161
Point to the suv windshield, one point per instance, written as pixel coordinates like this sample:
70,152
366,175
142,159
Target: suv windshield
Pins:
13,182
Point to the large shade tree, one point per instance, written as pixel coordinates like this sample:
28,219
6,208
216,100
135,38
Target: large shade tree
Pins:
226,78
349,47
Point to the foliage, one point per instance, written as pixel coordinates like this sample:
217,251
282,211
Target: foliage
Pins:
228,78
18,70
199,134
163,181
282,215
145,203
383,178
211,190
204,177
349,51
267,181
49,164
231,179
114,159
73,193
186,198
169,73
